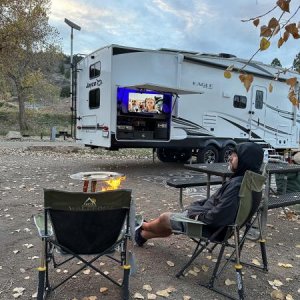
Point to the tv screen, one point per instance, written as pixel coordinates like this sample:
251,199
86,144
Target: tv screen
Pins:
148,102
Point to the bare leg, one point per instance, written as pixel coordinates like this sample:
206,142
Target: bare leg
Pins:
159,227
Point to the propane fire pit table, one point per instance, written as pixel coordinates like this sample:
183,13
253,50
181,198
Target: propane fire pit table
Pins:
99,181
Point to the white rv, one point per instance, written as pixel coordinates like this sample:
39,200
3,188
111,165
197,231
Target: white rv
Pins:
179,103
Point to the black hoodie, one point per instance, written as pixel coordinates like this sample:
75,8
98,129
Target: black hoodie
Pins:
221,208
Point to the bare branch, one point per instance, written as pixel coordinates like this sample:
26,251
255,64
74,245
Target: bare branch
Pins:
260,15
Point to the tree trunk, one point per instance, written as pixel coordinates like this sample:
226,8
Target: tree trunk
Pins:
22,117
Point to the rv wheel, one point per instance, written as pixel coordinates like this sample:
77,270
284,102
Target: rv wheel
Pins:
225,153
208,155
173,155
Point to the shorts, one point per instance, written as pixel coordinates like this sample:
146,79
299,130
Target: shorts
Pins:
177,225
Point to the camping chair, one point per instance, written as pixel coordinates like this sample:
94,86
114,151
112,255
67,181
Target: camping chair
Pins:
83,225
250,199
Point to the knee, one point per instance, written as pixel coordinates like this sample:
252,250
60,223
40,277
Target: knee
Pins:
164,220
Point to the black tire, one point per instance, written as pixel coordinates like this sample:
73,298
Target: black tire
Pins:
225,153
208,154
173,155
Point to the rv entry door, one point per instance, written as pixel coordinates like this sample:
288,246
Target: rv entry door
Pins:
257,113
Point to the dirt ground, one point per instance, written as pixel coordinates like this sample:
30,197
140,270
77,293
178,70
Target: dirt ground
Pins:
29,166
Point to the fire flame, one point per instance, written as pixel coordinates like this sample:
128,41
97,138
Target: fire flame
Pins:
113,183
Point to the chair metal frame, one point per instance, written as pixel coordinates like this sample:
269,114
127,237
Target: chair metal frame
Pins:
234,231
50,244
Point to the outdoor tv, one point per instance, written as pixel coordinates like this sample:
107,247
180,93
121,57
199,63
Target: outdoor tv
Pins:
135,102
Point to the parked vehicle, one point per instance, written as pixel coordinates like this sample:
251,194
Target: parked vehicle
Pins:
180,104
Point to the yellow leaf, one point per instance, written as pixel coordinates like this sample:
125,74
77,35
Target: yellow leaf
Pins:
277,283
277,295
289,297
291,81
229,282
285,265
270,88
255,262
264,44
227,74
204,268
256,22
170,263
273,23
147,287
103,289
138,296
284,5
163,293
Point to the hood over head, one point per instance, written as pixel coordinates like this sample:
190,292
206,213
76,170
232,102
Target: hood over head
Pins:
250,157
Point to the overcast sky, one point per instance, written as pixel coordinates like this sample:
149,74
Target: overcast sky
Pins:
197,25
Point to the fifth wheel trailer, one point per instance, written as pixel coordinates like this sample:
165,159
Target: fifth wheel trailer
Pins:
180,104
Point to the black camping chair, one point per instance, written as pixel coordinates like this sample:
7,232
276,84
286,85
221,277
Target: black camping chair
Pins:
83,225
250,200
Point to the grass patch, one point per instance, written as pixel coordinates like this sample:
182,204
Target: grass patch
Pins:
39,122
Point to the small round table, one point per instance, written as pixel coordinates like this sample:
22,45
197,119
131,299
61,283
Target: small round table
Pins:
99,181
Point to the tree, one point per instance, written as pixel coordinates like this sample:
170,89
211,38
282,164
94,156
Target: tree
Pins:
276,62
28,46
285,29
296,63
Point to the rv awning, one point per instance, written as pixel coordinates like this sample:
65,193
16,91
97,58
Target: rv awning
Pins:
165,89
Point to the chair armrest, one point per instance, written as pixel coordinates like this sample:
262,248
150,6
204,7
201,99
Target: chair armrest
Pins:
193,227
39,221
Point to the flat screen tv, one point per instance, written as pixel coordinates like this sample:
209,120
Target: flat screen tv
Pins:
133,101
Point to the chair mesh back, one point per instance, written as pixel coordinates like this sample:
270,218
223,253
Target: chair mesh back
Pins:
87,223
87,232
250,196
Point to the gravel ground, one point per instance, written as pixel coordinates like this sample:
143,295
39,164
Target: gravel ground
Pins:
30,165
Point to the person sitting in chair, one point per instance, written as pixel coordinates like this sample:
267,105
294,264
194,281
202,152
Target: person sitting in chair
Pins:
218,210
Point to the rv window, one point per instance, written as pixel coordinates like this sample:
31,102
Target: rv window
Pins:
239,101
259,99
94,98
95,70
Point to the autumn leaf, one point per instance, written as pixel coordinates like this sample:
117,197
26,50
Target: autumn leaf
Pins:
277,294
229,282
276,30
247,80
147,287
291,81
138,296
273,23
163,293
270,88
285,36
264,44
170,263
265,31
280,42
291,28
284,5
256,22
255,262
285,265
